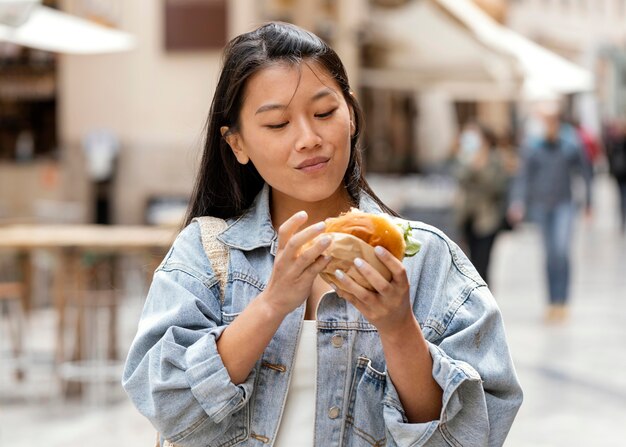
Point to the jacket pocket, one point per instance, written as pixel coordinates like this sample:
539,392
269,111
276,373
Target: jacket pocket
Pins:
234,430
239,292
365,426
228,318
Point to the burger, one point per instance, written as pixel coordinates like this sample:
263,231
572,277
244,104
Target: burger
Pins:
355,234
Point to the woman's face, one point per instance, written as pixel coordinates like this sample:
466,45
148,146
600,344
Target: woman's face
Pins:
295,127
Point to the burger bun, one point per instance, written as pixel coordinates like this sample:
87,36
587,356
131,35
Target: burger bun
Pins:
343,250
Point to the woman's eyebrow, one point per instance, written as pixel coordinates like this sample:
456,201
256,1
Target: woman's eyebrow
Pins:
268,107
319,95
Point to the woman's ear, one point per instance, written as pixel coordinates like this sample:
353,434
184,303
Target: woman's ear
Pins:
352,123
233,139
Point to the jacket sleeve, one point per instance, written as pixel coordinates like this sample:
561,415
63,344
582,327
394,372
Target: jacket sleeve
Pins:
481,393
471,361
174,374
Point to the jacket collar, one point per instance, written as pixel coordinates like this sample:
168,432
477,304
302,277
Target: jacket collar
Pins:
254,228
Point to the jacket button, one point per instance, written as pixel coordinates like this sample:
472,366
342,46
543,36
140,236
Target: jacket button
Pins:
333,413
337,341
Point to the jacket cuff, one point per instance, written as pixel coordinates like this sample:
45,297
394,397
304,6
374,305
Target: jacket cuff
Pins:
452,376
210,382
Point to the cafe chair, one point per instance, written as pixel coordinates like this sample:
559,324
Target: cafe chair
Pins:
93,363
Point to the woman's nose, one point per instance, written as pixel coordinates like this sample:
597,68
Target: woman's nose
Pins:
308,137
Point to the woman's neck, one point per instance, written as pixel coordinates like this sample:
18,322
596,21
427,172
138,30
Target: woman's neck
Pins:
283,207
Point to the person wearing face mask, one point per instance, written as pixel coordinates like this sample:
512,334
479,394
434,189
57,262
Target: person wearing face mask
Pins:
543,192
482,192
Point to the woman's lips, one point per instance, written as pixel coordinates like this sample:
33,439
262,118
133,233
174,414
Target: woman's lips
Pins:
313,164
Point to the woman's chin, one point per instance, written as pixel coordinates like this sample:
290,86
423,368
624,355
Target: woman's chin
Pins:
313,193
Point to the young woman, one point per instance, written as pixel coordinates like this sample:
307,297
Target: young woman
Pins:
286,360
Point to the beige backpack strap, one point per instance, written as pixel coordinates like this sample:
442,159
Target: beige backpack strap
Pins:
215,250
218,256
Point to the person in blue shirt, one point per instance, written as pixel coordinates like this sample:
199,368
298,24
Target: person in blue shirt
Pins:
420,359
543,192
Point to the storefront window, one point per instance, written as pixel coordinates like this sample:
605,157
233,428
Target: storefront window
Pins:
27,103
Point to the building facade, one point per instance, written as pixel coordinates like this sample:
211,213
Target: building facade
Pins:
589,32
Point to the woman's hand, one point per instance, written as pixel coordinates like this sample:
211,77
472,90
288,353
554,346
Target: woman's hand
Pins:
407,355
388,307
245,339
295,267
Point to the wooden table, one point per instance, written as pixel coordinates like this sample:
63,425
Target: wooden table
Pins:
91,237
70,243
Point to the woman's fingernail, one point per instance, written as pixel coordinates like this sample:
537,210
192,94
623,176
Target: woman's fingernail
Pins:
379,250
334,287
301,214
320,225
339,275
358,262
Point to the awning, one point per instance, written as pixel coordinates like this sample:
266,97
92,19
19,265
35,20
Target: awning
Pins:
452,46
544,71
28,23
424,47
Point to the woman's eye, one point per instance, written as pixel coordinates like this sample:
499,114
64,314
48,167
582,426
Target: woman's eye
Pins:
325,115
277,126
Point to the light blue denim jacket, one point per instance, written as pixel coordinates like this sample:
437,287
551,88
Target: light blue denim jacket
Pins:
176,378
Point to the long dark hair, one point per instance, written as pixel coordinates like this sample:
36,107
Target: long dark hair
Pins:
224,187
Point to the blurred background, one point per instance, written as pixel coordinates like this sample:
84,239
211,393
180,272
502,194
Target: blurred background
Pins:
102,108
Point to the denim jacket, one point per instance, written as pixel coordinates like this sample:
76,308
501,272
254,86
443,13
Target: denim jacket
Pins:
176,378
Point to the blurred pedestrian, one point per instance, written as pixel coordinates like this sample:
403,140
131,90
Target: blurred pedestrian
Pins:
551,159
482,194
266,351
616,154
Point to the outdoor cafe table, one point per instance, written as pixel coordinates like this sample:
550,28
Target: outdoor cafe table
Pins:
70,243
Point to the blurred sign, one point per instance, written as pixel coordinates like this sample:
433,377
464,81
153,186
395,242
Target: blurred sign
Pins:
101,149
195,24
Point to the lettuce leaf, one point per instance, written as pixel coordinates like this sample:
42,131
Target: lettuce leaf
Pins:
413,246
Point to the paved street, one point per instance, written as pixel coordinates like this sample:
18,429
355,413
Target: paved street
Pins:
572,373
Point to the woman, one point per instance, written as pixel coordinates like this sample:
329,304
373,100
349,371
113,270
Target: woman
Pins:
421,361
481,203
